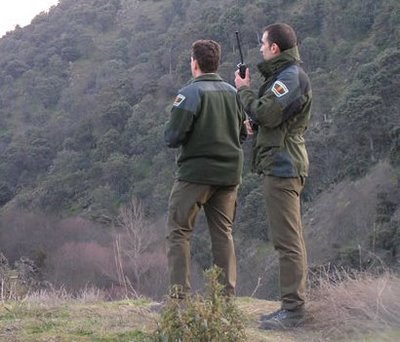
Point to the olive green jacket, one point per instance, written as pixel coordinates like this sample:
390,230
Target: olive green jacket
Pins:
207,123
281,113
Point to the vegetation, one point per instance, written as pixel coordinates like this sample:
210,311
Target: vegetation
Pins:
209,318
355,306
358,308
84,95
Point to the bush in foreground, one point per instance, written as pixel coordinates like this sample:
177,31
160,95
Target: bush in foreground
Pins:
213,317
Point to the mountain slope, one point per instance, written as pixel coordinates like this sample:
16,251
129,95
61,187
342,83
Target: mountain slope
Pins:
85,92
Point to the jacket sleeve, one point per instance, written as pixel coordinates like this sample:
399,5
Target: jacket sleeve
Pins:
243,117
184,110
278,101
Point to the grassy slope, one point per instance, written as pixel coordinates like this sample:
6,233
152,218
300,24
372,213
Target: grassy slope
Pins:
105,321
128,321
74,321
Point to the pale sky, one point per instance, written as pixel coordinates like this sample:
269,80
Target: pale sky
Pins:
21,12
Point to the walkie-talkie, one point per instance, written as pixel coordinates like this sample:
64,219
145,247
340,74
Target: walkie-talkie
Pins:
241,66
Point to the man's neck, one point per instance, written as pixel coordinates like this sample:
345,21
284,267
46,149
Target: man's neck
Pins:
204,73
197,73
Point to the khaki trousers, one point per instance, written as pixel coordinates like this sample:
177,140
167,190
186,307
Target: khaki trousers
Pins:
185,202
282,197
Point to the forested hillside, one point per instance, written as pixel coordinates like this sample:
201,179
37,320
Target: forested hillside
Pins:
84,95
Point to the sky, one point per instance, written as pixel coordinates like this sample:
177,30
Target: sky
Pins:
21,12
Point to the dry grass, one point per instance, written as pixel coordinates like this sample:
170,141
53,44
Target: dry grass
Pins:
58,316
355,306
55,297
345,307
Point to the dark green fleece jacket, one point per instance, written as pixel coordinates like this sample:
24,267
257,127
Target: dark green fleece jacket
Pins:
281,113
207,123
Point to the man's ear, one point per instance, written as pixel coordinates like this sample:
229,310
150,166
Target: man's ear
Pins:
275,48
196,64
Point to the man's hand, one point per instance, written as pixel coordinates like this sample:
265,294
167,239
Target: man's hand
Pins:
242,82
249,129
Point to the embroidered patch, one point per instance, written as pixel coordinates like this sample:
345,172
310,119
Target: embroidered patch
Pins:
279,89
178,100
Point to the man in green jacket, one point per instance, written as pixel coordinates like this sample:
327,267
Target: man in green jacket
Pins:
280,114
207,122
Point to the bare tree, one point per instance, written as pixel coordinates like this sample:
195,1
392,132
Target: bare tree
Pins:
133,241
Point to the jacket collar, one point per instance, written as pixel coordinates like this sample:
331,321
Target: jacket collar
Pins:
270,67
208,77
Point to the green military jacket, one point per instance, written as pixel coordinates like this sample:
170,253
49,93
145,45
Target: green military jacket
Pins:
281,113
207,123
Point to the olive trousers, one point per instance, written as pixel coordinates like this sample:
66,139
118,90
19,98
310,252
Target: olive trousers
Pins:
282,197
219,203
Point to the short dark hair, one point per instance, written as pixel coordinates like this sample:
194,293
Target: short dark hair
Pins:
208,54
282,35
